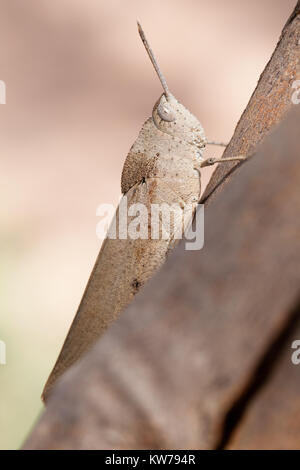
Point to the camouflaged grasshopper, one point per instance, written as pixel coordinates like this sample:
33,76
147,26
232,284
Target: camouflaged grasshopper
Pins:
162,166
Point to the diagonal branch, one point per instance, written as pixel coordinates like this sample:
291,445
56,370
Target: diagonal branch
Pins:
268,105
164,375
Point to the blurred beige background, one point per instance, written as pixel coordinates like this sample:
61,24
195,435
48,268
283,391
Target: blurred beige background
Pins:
79,87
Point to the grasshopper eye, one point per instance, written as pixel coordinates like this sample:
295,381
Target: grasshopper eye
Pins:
165,112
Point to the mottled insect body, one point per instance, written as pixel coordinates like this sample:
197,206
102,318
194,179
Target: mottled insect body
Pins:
162,166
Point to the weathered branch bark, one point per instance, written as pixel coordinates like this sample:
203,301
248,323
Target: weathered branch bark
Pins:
272,419
269,103
165,374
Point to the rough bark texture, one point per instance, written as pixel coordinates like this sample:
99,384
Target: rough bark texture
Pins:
272,420
168,372
189,361
268,104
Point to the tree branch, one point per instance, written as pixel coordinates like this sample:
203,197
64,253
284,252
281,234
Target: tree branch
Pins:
166,373
268,105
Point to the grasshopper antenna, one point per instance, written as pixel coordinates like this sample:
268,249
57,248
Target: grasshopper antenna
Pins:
153,60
